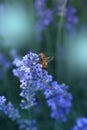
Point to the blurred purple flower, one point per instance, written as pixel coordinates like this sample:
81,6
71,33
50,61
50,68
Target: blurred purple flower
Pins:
13,53
8,109
2,58
46,17
71,18
46,14
25,124
69,13
81,124
40,5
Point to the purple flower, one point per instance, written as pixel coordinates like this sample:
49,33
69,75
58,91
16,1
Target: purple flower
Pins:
69,13
2,100
11,111
28,70
8,109
81,124
34,78
71,18
25,124
59,101
40,5
46,17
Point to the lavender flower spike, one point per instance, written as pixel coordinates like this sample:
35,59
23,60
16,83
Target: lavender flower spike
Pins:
8,109
81,124
34,78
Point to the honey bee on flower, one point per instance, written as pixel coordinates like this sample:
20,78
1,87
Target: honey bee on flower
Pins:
44,60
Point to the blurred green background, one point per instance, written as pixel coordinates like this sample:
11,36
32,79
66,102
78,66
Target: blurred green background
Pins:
69,65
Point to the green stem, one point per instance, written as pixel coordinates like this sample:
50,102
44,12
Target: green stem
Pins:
61,23
59,38
29,109
30,116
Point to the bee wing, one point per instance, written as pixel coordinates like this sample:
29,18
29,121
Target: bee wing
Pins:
49,59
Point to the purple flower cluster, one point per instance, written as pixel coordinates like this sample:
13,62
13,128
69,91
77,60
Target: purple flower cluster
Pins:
69,14
40,5
71,18
2,101
47,14
8,109
13,113
81,124
25,124
27,70
59,100
44,14
34,78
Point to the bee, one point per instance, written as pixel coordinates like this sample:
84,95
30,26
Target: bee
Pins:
44,60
